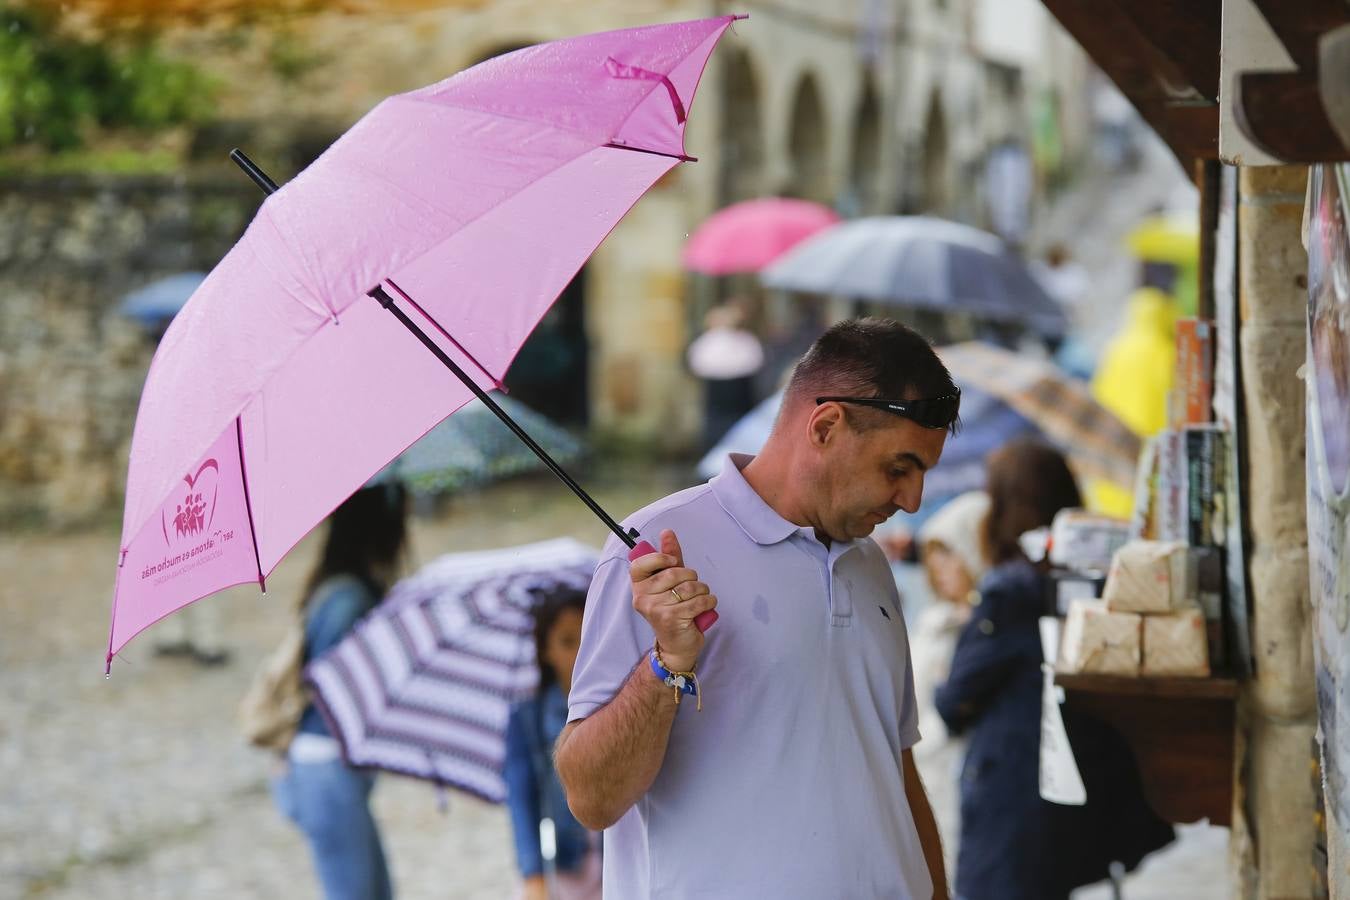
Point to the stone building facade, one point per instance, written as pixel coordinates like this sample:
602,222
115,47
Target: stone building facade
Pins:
871,106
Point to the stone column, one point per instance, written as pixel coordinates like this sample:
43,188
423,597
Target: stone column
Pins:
1273,819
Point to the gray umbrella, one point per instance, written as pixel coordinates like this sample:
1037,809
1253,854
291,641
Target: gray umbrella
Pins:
920,262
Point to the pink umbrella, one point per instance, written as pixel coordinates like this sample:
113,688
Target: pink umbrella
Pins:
747,236
282,386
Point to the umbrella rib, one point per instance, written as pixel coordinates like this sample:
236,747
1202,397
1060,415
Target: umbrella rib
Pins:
448,336
682,157
248,502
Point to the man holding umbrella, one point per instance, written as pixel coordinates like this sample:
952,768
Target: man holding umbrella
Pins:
793,777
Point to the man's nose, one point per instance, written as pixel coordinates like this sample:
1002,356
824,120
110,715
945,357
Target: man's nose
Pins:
910,495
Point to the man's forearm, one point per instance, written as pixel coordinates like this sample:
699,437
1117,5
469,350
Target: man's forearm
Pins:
926,825
608,760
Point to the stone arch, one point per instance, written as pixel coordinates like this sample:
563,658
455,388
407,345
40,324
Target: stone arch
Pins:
741,129
865,176
936,188
808,143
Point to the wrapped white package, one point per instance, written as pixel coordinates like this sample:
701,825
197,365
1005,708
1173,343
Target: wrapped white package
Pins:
1084,541
1174,644
1148,577
1099,641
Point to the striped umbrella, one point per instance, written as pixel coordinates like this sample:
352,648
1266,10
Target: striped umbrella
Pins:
1097,444
423,686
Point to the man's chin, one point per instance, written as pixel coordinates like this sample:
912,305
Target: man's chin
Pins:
863,529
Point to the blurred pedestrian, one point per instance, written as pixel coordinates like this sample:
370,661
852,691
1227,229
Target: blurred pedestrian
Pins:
810,690
726,356
1136,371
951,546
193,633
1117,128
1009,182
1063,279
571,861
1015,845
325,798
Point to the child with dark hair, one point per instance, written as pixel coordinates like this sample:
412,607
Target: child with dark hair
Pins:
572,867
326,799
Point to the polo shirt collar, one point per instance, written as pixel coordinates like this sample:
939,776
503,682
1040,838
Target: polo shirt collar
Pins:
755,517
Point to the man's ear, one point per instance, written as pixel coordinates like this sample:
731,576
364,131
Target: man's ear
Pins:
824,424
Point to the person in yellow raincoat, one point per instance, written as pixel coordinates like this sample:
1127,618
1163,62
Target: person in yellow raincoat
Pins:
1137,371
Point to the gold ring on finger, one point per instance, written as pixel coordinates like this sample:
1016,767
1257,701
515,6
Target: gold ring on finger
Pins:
678,598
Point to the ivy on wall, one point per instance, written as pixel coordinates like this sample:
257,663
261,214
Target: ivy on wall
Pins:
57,90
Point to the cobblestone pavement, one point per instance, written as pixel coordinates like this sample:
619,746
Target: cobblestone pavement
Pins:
140,786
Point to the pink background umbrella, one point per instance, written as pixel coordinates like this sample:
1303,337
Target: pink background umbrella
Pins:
281,386
747,236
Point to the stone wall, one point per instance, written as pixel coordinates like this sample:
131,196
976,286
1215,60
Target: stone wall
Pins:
1274,818
71,368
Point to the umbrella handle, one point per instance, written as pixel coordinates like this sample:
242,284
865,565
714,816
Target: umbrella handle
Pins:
704,620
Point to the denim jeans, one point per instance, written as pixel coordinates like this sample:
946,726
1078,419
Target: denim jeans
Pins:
330,803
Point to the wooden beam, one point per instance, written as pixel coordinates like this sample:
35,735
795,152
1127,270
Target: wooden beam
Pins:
1282,113
1193,127
1188,33
1132,42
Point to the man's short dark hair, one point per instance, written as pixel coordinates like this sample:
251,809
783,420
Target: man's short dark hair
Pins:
871,357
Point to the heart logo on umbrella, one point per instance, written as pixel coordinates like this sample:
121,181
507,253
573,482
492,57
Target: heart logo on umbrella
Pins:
192,511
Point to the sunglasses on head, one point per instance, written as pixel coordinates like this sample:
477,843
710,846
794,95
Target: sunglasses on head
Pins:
933,412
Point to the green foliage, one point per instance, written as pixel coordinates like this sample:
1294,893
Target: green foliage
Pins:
55,88
291,59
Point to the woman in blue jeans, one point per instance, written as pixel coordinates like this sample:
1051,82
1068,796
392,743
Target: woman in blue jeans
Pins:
533,791
328,800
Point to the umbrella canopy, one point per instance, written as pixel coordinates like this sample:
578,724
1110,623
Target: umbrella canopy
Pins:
473,447
1097,444
160,300
920,262
424,684
747,236
466,207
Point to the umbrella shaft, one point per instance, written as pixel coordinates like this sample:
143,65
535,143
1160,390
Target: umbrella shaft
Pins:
252,171
381,295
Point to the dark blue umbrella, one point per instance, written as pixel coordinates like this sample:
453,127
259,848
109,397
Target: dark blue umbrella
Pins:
922,263
159,301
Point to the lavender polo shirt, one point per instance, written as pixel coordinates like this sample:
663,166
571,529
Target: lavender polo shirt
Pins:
789,783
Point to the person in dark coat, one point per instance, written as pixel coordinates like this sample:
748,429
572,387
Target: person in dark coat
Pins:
1014,845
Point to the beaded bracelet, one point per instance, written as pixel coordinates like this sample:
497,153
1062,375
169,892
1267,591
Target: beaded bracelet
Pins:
682,682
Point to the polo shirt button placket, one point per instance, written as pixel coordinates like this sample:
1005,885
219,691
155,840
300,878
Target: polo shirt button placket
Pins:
841,598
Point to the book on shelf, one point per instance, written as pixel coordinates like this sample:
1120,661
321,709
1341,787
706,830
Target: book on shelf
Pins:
1171,521
1206,452
1193,395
